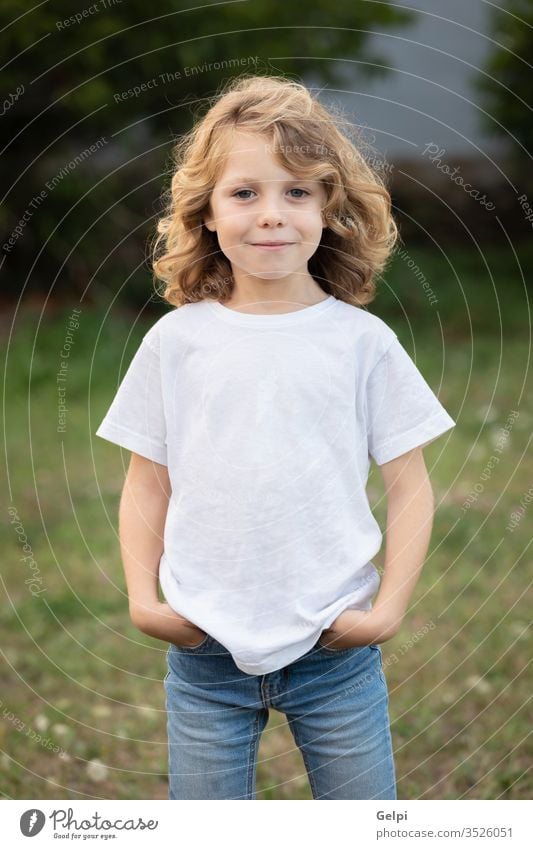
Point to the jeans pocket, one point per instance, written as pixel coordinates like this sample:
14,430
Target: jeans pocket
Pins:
375,647
167,655
191,649
333,650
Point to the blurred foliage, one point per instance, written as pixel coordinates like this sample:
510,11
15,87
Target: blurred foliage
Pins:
508,86
79,219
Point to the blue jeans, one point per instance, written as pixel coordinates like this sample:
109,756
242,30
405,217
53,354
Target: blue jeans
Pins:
335,702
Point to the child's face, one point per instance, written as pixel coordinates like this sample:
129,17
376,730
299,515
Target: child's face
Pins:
269,205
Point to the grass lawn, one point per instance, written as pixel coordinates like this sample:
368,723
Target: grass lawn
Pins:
82,700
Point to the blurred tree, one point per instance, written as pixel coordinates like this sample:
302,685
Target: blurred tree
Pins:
93,96
507,90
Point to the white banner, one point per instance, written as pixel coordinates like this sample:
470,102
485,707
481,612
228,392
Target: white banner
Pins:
165,823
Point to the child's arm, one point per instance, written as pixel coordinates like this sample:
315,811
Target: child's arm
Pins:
410,508
142,514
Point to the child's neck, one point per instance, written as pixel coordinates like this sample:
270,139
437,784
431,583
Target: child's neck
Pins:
267,301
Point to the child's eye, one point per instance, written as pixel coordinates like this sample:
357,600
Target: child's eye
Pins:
241,191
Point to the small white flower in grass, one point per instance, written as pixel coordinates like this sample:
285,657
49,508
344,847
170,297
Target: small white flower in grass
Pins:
449,697
41,722
477,682
477,451
500,439
60,729
148,711
13,656
519,629
487,414
96,770
64,756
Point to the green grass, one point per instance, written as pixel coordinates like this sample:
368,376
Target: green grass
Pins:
79,670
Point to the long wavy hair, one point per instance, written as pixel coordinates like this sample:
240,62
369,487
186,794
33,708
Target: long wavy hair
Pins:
307,140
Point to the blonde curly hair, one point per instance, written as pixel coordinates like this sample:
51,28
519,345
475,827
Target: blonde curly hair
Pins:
306,140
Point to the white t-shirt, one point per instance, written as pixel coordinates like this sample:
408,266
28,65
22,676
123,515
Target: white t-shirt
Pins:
268,424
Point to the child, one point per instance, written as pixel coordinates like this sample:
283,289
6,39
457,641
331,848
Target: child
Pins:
253,411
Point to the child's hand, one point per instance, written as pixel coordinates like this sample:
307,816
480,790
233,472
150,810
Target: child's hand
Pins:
159,620
356,628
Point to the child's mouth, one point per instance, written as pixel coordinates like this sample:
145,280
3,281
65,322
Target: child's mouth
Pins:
277,247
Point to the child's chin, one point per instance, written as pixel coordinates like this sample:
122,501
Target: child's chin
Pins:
271,275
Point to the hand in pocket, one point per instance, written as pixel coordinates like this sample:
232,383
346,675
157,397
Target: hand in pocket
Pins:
159,620
355,628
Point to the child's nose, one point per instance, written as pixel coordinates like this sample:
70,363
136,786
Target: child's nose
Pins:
271,214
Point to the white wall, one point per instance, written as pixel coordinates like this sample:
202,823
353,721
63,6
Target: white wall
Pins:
426,99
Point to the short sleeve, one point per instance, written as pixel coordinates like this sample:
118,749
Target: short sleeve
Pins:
136,417
402,410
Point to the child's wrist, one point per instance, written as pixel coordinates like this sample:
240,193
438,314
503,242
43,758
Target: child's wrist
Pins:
389,614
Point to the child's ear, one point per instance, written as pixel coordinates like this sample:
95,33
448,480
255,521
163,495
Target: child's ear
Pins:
209,221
